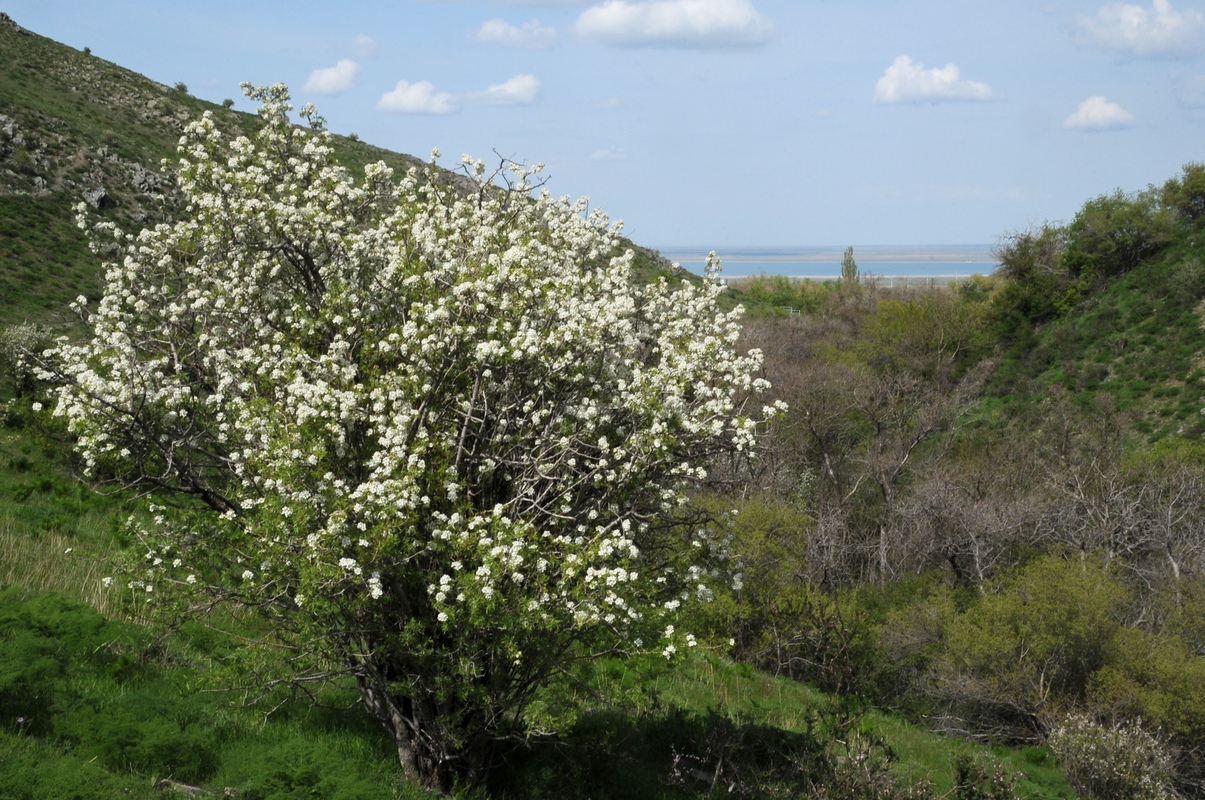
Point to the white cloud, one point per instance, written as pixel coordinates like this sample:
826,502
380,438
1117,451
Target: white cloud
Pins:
423,98
532,36
417,98
1159,31
518,91
1098,114
333,80
675,23
364,46
609,154
906,81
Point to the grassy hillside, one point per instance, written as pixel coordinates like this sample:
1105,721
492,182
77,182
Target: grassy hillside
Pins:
76,128
982,515
1139,341
1106,330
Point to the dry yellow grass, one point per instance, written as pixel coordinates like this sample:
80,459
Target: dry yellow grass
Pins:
51,561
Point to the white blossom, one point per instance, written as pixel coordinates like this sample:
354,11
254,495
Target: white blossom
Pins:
436,384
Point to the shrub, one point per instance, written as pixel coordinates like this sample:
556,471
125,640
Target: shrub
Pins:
1032,645
1114,233
1185,195
1112,762
16,343
485,436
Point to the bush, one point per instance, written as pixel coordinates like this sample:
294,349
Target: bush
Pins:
1114,233
1031,646
1185,195
1113,762
488,423
1031,264
775,618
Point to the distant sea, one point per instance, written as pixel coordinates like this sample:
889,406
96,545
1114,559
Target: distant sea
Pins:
820,263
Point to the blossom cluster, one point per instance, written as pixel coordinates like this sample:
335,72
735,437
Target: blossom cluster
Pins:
400,401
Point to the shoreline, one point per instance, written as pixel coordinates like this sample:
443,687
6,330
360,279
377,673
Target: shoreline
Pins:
886,281
885,263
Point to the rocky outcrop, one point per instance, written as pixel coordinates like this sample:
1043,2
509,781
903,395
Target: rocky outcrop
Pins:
10,137
99,199
9,22
145,181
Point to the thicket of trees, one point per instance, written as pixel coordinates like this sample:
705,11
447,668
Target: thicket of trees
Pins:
948,524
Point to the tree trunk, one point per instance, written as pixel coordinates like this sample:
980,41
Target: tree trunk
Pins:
411,726
383,708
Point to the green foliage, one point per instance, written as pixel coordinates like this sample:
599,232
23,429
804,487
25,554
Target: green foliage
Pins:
1185,195
1112,234
934,335
1136,341
1153,678
1031,644
775,619
780,295
849,267
1033,281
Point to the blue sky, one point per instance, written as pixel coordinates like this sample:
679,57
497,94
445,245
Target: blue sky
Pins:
721,123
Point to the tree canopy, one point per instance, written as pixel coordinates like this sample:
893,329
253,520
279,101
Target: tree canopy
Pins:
429,427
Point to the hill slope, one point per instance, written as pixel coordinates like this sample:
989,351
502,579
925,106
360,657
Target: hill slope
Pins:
1123,337
76,128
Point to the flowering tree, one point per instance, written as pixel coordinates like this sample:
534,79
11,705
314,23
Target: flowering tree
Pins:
433,431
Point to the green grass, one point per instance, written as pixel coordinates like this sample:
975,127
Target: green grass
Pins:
94,707
44,261
1138,341
121,709
710,683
